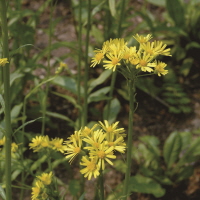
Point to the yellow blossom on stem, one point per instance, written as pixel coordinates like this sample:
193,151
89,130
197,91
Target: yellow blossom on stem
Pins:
88,131
45,178
73,147
144,62
91,168
14,147
102,154
160,68
57,144
36,190
95,140
142,39
3,61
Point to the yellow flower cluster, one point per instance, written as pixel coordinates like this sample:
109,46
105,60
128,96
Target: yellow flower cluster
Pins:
114,52
102,140
41,188
3,61
40,143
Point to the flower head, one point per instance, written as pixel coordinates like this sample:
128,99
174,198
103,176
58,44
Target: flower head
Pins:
39,142
45,178
3,61
73,147
57,144
102,154
14,147
36,190
142,39
160,68
91,168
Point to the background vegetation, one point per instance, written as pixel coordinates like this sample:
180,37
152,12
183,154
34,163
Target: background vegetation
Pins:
42,34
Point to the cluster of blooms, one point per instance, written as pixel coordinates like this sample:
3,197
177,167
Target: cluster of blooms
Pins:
14,146
100,143
3,61
116,51
40,143
42,187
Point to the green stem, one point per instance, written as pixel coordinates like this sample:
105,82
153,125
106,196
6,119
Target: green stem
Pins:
131,85
101,185
6,80
85,110
79,59
44,107
114,74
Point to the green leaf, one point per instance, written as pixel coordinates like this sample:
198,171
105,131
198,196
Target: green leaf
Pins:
176,12
60,116
67,82
112,7
38,162
2,103
74,187
16,110
101,79
185,173
2,193
157,2
99,95
146,185
29,122
172,149
114,110
120,166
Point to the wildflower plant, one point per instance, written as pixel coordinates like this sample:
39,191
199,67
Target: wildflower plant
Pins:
101,141
132,62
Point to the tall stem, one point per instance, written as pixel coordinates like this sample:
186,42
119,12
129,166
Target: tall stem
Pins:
79,59
131,85
85,110
44,107
114,74
6,80
101,185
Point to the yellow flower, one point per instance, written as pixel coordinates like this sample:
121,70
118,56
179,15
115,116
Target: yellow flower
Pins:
61,67
57,144
144,62
46,178
88,131
36,190
114,58
159,68
45,141
3,61
142,39
14,147
111,128
2,141
91,169
117,143
102,154
73,147
95,140
129,53
36,143
160,48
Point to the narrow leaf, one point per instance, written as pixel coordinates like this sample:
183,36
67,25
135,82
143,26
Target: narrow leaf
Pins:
172,148
112,7
2,193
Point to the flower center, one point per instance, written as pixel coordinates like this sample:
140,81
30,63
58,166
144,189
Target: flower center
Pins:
91,166
143,63
96,144
109,129
115,61
99,56
77,150
101,154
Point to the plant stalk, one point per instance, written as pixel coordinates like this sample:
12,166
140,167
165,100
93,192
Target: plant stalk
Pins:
114,74
85,110
79,60
131,85
101,185
6,80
